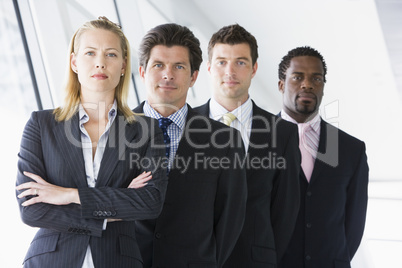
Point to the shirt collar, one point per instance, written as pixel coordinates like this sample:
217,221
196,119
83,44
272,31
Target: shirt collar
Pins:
84,117
178,118
243,113
314,123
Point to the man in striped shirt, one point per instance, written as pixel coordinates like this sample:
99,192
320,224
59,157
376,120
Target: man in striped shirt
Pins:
204,208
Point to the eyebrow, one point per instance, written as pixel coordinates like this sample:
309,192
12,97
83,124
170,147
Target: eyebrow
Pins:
111,48
239,58
176,63
301,73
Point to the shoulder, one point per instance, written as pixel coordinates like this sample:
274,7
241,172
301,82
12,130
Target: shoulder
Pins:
274,122
344,138
203,109
196,120
43,117
206,128
146,124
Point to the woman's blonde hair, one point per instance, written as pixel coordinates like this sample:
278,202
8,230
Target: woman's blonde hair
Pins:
73,87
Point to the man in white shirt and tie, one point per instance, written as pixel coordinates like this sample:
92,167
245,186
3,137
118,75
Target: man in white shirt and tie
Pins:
334,180
273,190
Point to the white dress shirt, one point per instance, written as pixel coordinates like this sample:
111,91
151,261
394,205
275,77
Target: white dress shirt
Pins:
243,121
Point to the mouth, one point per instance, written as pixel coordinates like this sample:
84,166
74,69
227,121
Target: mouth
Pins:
167,87
230,83
100,76
307,97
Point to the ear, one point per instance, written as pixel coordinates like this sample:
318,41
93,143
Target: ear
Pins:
255,67
141,71
281,86
194,78
209,67
123,67
73,61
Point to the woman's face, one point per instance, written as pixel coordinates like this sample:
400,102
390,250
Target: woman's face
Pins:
99,61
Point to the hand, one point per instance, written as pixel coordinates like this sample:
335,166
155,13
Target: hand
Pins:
140,180
46,193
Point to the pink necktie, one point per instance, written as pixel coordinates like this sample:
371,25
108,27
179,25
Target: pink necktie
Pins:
307,143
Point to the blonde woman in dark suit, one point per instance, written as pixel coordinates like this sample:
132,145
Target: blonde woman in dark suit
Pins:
74,165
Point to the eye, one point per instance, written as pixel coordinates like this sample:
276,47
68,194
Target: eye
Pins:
318,79
89,53
241,63
180,67
296,77
111,55
221,62
158,65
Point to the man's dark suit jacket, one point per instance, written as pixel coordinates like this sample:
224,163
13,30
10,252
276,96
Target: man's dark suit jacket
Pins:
273,191
205,203
53,151
333,205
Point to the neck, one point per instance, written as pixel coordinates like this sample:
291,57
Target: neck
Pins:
97,105
231,104
165,109
301,118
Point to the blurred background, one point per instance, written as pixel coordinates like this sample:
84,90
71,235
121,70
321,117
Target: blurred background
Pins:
361,41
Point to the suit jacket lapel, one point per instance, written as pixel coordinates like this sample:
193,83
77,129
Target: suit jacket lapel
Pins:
68,137
260,133
328,150
120,133
190,137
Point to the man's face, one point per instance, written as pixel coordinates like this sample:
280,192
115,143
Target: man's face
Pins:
303,87
231,69
168,76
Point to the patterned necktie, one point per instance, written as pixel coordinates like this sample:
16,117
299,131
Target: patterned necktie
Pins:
228,118
163,125
308,146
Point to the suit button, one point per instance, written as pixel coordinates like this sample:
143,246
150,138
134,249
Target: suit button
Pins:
308,193
308,258
158,235
308,225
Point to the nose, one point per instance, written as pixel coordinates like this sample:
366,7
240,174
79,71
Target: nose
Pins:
307,84
168,74
100,63
230,70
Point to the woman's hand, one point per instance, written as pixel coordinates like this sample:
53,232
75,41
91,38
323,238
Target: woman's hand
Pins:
140,180
45,192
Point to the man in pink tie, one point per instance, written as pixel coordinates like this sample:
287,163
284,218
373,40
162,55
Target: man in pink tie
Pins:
334,180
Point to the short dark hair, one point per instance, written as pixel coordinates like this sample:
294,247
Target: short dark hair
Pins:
169,35
296,52
232,35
